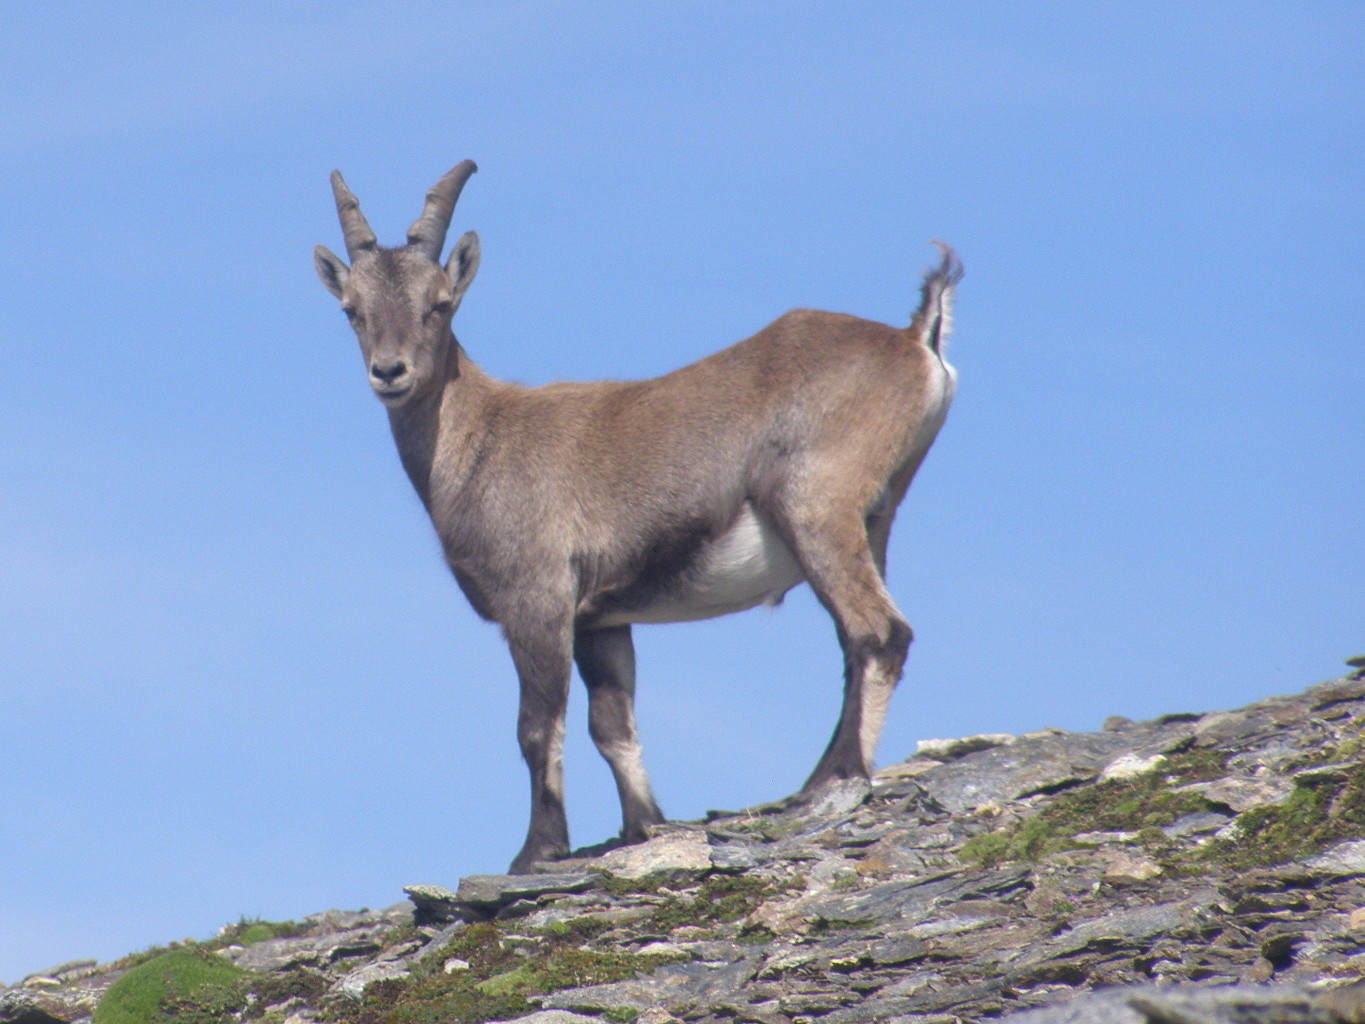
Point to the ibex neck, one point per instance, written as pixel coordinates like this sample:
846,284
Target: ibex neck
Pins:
445,422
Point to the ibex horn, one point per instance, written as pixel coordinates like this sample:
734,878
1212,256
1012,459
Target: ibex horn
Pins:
359,237
428,232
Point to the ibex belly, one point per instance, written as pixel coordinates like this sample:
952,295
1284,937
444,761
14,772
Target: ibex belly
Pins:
747,565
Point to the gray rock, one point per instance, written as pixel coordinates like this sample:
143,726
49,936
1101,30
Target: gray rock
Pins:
555,1017
1343,860
1128,930
1224,1004
1324,774
353,985
1108,1007
836,799
18,1007
947,750
954,924
490,892
1229,727
68,970
1029,765
435,943
674,986
900,900
1243,793
736,856
1107,838
1136,926
933,998
305,951
434,903
1339,691
897,949
1131,765
685,850
1195,824
343,920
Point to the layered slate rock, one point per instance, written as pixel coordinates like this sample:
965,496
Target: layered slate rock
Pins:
1192,868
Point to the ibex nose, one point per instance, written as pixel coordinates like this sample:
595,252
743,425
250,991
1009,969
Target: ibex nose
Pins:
387,373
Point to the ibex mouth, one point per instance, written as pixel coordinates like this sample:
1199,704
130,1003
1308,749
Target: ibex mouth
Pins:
393,394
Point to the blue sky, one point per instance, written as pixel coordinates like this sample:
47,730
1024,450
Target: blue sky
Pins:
236,677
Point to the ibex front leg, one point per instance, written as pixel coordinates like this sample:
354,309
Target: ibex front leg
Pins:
543,656
606,660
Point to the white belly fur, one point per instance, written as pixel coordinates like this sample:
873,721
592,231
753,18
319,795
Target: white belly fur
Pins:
747,565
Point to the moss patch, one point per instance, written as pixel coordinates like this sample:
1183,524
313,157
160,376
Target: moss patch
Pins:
249,931
1318,815
498,982
577,930
718,900
1143,804
278,987
1323,810
183,986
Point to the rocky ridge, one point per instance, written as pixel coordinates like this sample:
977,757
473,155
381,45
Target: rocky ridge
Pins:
1198,867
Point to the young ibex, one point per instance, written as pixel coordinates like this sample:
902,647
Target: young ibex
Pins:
568,513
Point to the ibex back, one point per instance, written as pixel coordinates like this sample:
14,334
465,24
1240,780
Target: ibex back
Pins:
569,513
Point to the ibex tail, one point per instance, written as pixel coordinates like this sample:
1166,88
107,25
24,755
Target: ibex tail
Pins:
934,318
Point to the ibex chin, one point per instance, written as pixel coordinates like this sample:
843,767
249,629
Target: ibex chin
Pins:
571,512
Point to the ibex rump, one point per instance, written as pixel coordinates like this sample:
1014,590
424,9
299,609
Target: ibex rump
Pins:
570,512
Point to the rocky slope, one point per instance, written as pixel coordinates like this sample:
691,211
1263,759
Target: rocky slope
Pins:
1192,868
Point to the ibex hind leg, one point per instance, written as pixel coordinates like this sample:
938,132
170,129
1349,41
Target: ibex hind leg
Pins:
606,661
879,521
842,568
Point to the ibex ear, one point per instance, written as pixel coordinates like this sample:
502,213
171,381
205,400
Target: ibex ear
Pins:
462,266
330,269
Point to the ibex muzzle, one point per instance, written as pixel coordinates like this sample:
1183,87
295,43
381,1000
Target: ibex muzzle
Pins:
572,512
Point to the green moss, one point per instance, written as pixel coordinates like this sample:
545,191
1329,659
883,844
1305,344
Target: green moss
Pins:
132,960
516,982
578,930
254,933
276,987
400,933
1196,765
1352,749
572,968
1031,839
1151,836
1143,804
718,900
1349,749
183,986
251,930
1319,813
1315,816
756,935
498,983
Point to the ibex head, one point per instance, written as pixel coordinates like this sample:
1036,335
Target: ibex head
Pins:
400,301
